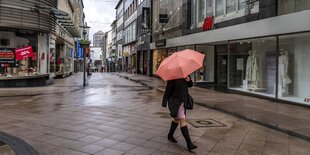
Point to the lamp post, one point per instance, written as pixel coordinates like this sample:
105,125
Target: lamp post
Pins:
84,44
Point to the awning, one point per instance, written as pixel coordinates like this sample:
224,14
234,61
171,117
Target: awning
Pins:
65,20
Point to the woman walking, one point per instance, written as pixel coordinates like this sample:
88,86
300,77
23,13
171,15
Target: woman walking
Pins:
176,95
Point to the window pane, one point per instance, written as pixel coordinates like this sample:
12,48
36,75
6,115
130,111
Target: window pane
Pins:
230,6
209,7
201,10
253,66
219,7
294,68
241,4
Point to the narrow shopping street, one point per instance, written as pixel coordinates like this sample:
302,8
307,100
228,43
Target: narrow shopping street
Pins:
114,115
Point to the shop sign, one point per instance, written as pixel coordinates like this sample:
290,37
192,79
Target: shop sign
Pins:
23,53
160,43
208,23
133,49
7,57
145,19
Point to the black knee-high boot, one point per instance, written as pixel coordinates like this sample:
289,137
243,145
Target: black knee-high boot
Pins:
171,132
190,145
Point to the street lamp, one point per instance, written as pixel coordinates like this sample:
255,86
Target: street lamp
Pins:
84,44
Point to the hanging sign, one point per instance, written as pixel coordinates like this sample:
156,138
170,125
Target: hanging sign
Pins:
23,53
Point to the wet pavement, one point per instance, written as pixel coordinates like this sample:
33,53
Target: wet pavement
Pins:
114,115
290,119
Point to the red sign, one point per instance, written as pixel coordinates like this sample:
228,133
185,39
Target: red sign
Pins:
23,53
208,23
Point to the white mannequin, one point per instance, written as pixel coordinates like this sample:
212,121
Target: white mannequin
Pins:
284,79
252,69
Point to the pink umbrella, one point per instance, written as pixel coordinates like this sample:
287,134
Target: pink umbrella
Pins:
180,64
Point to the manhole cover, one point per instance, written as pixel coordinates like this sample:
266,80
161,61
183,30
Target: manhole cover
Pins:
205,123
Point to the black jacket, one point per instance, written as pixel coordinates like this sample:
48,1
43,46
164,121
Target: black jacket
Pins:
176,94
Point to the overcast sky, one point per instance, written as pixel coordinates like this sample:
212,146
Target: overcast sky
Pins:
98,13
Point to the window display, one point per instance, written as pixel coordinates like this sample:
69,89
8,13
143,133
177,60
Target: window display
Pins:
294,68
158,57
284,79
18,53
252,72
252,66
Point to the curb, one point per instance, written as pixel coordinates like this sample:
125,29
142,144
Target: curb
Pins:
37,94
270,126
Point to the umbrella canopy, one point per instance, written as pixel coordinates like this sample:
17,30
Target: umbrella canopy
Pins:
180,64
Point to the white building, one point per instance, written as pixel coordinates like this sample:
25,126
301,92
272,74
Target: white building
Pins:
97,60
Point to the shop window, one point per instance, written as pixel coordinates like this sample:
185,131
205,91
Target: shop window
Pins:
252,66
23,62
158,57
219,7
294,68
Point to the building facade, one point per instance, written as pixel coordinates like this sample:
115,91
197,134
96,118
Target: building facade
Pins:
117,61
69,19
98,39
144,37
130,35
255,47
122,62
37,41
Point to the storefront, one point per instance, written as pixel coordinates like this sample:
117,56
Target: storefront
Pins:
158,56
270,62
64,57
259,67
23,55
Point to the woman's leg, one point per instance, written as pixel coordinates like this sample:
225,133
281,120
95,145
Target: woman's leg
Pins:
185,133
174,125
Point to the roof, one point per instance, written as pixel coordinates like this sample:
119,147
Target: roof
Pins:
99,33
66,21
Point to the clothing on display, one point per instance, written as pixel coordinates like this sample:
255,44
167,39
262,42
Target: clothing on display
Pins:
252,73
284,79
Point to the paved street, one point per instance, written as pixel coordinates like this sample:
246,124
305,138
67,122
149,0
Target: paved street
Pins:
114,115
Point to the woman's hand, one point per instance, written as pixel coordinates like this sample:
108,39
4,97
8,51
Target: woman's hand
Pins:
188,79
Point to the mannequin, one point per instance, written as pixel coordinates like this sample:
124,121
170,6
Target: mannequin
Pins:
252,75
284,79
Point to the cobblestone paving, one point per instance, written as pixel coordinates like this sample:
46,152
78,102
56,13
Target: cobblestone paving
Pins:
117,116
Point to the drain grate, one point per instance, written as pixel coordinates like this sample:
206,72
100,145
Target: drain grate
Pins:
197,123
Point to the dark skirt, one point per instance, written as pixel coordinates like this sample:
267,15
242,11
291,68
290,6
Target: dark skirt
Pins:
174,104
